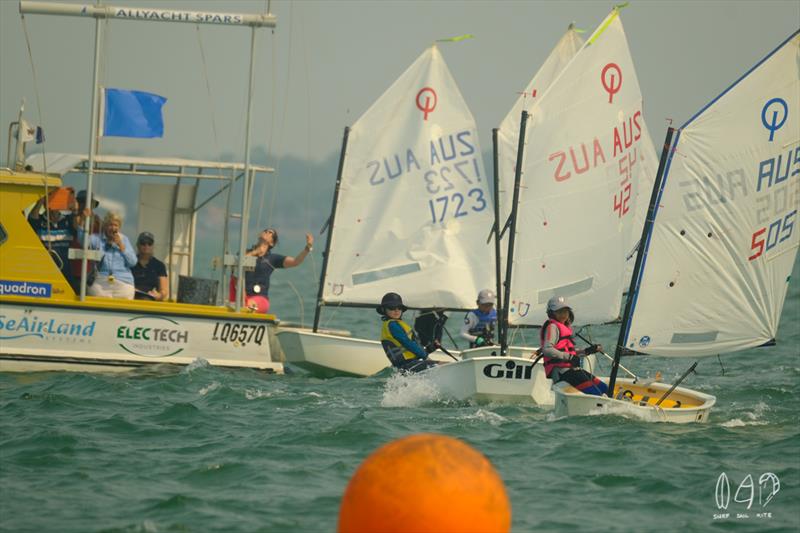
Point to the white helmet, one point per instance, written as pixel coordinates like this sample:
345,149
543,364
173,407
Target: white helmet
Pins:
486,296
557,302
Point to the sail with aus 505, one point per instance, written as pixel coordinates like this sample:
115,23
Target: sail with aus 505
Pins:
725,236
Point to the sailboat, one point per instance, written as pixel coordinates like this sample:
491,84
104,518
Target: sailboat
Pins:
572,211
410,207
719,244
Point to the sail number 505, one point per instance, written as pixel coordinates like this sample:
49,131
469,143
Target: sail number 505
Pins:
776,233
456,205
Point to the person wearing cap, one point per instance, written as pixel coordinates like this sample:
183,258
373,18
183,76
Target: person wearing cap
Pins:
479,324
256,282
114,278
398,338
560,357
53,220
149,274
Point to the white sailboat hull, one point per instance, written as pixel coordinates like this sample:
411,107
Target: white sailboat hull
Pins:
325,355
41,337
694,406
493,379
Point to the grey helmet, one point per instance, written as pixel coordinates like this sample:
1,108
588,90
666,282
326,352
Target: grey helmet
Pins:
487,296
555,303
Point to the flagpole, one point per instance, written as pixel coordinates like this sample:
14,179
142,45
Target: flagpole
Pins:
247,177
87,222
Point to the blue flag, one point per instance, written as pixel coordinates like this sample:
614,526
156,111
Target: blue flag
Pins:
132,114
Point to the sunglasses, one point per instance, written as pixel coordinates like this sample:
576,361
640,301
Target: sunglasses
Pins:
145,243
394,308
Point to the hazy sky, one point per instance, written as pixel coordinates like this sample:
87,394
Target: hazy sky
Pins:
334,58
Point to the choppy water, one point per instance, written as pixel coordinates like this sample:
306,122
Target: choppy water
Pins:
204,449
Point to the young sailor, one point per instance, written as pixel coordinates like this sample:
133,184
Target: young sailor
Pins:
398,338
479,323
561,359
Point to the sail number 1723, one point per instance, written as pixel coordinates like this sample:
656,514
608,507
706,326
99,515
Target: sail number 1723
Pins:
458,205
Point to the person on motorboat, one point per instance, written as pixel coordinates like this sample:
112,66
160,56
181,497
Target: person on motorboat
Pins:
256,283
560,358
149,274
479,324
54,223
114,277
399,340
77,243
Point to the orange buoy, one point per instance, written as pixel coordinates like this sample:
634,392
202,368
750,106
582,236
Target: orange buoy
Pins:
425,483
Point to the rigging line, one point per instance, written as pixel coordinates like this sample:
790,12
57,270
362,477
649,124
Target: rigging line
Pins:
282,127
302,307
214,130
38,103
44,152
271,135
304,46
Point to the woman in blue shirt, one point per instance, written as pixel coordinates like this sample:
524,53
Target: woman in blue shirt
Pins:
114,277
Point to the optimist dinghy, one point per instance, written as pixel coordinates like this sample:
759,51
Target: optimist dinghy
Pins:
719,245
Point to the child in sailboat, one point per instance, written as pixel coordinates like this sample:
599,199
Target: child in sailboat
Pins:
479,324
561,359
399,340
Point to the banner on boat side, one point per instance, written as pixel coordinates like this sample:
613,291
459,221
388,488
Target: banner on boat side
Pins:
96,334
586,159
25,288
414,207
725,237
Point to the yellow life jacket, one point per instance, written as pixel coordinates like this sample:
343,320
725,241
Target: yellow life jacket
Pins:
395,351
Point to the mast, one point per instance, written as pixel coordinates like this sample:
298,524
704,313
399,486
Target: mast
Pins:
88,221
641,255
497,258
246,185
512,218
329,226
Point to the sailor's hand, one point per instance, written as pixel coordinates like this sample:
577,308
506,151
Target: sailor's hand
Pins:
592,348
154,294
309,241
480,341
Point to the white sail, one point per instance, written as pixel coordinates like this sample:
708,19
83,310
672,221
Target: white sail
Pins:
414,208
508,132
726,234
579,184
